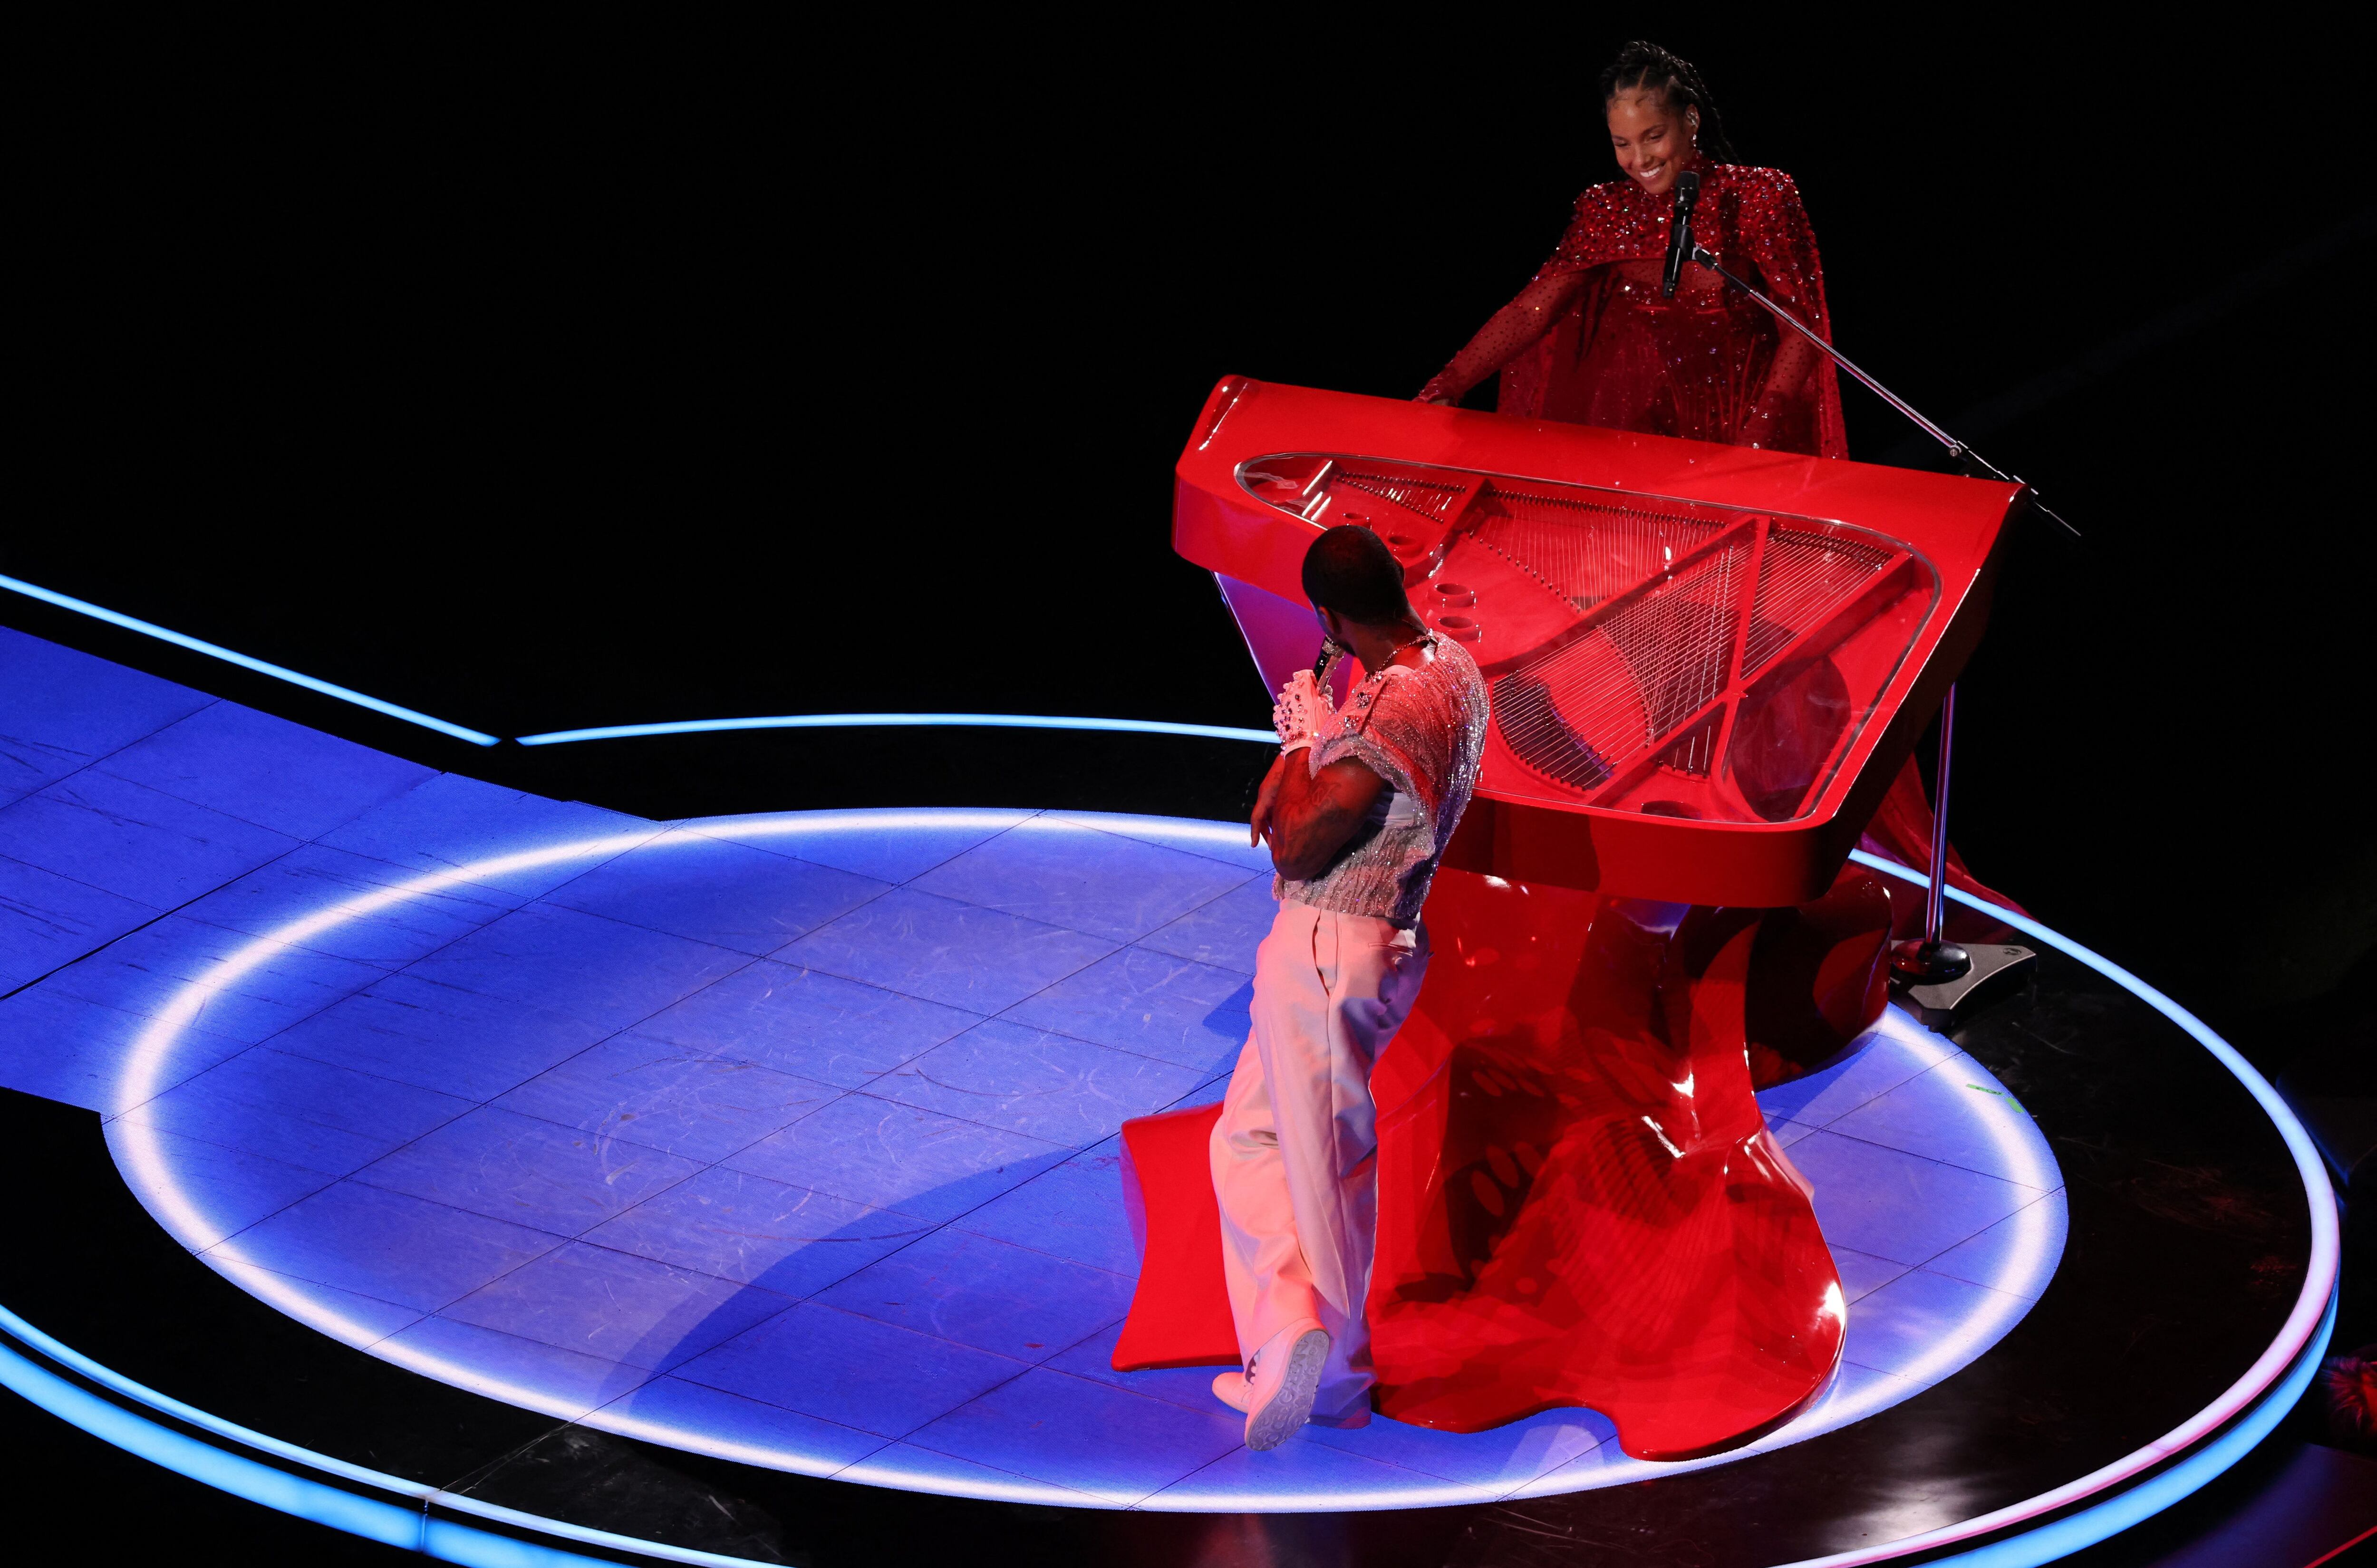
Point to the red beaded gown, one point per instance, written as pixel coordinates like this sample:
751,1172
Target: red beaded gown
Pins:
1696,365
1579,1201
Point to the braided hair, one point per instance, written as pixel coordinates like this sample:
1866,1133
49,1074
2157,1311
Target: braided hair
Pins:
1650,68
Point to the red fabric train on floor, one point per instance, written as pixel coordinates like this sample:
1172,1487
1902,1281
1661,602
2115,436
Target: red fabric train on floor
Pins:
1708,666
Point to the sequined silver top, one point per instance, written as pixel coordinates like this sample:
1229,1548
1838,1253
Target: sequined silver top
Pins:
1422,730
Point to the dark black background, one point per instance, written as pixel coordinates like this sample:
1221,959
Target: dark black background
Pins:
585,381
602,375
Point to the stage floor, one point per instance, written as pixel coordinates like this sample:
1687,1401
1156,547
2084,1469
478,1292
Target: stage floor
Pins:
790,1139
647,1182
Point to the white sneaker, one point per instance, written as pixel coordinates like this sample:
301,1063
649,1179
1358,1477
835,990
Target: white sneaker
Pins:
1230,1389
1281,1382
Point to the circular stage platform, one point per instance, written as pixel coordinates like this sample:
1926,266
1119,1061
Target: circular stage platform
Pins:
792,1140
646,1183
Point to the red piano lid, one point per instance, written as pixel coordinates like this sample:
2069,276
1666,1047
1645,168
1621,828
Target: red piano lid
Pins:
1706,662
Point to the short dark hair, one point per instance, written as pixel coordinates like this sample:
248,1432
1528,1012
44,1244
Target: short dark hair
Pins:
1351,571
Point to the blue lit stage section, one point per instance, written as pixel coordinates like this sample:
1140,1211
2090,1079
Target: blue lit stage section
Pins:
789,1139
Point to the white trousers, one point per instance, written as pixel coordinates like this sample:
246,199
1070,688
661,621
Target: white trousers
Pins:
1295,1153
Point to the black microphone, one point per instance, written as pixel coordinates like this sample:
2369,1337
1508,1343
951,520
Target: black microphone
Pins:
1680,232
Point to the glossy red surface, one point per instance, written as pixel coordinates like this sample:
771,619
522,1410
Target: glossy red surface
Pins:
1180,1312
1578,1203
1708,662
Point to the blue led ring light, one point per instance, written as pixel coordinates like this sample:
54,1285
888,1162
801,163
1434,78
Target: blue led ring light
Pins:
899,721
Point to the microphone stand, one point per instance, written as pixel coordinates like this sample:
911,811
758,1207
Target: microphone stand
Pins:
1929,960
1974,465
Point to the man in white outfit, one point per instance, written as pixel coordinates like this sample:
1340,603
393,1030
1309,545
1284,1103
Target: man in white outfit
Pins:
1358,811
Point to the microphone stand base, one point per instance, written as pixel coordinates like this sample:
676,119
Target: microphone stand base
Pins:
1941,1002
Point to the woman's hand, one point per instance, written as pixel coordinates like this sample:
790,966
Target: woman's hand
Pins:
1513,329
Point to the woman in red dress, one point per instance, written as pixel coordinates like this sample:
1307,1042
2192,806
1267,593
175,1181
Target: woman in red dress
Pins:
1590,340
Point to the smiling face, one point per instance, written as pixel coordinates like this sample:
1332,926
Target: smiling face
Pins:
1652,141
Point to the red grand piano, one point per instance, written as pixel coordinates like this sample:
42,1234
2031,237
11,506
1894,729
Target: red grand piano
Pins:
1706,664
